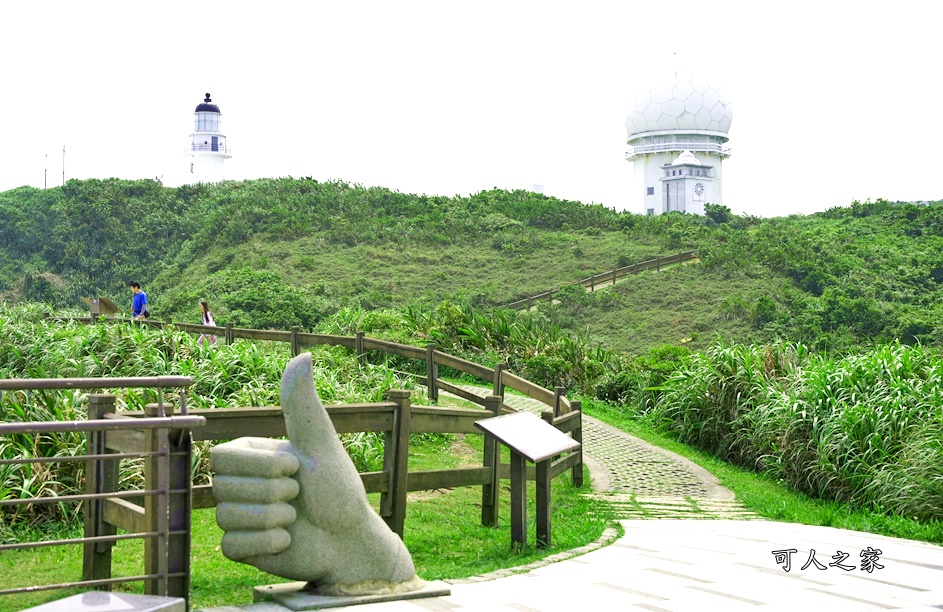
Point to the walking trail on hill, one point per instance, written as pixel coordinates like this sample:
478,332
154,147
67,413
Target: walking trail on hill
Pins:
640,480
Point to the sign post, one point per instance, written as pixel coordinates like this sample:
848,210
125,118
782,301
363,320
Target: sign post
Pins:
529,437
98,306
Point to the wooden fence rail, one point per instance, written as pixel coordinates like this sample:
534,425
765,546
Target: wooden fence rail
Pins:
161,517
396,419
499,377
606,277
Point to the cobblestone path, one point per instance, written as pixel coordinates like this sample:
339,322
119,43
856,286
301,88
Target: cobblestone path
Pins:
640,480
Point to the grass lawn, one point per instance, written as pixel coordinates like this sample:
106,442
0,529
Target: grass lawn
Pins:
443,532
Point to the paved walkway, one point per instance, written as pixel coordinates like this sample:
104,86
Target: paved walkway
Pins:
641,480
687,565
679,564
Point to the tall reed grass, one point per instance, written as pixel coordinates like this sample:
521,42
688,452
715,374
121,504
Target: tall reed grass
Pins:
244,374
865,429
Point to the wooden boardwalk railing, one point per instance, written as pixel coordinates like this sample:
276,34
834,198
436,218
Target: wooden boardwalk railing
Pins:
159,513
605,278
396,419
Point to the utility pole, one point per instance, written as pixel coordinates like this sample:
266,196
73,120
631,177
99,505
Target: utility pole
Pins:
63,165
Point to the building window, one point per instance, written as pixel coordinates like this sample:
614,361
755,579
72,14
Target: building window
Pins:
650,191
650,212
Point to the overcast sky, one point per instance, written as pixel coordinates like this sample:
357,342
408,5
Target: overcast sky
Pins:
832,101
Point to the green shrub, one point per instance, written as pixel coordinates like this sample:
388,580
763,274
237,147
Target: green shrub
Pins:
864,429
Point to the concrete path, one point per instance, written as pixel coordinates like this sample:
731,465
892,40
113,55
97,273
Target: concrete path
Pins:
679,564
687,565
682,565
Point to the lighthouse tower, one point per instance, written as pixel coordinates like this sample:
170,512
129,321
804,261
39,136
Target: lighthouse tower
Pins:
677,135
207,150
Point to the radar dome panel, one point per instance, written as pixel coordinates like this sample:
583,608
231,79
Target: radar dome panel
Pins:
683,102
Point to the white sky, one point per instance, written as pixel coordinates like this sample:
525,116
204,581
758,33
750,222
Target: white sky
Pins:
833,101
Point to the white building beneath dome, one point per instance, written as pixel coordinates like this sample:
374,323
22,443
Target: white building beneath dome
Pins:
677,135
207,150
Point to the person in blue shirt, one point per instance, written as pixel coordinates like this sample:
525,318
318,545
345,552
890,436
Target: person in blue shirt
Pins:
138,302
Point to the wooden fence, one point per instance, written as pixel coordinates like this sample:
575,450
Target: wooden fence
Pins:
564,414
396,419
159,514
498,377
605,278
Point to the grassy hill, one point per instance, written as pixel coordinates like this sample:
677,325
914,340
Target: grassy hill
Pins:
784,349
279,252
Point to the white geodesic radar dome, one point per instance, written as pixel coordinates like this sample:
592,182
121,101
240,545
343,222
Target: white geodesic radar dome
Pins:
684,102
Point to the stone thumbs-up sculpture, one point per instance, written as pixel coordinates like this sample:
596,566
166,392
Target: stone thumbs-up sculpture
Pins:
297,508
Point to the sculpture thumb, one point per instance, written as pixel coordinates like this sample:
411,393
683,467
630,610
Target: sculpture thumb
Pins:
326,468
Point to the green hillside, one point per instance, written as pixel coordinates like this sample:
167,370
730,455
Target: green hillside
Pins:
281,252
784,348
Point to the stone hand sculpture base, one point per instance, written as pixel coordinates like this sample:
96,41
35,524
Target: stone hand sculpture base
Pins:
298,596
297,508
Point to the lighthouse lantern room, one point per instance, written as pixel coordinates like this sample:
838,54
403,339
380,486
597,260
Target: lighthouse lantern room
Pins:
207,150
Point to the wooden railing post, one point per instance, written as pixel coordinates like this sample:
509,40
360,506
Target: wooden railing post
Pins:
576,474
180,510
358,346
557,394
498,386
164,511
152,564
294,340
432,372
490,492
101,476
229,337
395,463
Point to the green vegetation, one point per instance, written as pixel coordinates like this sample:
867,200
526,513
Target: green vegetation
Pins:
281,252
443,532
243,374
864,429
771,498
804,348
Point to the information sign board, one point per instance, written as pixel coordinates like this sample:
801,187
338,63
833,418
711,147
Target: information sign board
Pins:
529,435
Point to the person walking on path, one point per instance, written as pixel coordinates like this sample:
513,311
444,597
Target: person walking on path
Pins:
139,310
206,316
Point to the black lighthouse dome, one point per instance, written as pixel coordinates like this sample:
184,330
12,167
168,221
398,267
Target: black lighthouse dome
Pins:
206,106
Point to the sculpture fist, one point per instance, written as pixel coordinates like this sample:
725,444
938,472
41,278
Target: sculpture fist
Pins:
298,509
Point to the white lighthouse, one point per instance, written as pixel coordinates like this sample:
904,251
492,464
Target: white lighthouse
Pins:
677,135
207,150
